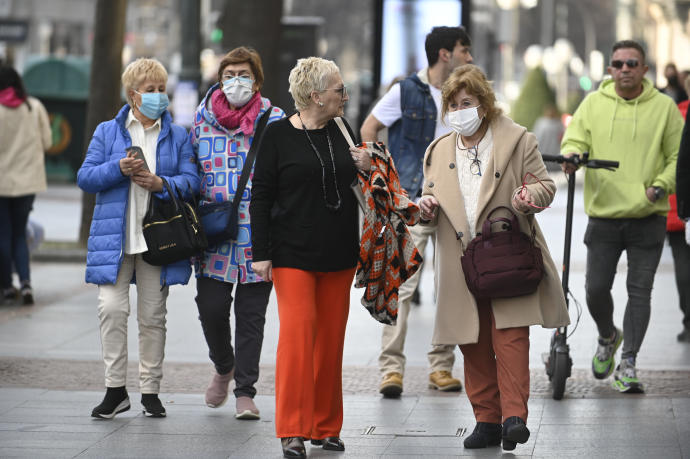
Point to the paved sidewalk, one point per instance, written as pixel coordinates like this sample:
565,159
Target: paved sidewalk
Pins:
40,423
51,377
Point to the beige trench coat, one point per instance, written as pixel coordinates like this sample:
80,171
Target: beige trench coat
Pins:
514,154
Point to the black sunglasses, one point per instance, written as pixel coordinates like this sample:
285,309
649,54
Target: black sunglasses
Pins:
631,63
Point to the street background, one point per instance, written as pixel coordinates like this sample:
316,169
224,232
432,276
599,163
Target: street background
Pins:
540,54
51,374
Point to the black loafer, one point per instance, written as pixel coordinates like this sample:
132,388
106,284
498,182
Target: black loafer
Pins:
484,434
514,431
293,447
333,444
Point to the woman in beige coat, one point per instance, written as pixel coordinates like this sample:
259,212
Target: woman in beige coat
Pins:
24,136
469,172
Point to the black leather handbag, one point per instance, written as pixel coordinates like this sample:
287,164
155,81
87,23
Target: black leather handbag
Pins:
171,229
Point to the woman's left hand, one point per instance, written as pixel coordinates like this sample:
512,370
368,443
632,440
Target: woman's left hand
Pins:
522,200
148,181
361,159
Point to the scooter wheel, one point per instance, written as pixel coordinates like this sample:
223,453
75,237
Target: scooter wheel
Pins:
561,370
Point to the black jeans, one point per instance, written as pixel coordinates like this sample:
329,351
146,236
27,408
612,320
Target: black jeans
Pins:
14,214
681,263
643,241
213,300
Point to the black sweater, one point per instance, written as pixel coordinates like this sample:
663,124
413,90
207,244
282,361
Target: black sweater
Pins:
291,225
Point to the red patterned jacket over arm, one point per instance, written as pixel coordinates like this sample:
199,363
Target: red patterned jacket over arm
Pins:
387,254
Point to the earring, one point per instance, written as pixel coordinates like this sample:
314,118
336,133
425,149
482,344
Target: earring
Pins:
320,104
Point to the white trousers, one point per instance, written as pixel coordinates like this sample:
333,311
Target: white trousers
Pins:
392,358
113,312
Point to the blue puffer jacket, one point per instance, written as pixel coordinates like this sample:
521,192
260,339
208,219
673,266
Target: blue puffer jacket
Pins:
100,173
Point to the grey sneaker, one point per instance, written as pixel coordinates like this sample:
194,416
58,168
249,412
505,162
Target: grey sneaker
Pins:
603,361
625,378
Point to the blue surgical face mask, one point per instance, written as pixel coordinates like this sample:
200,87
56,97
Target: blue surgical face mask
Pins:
153,104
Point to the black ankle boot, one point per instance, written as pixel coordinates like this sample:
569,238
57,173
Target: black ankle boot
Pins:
514,431
115,401
153,408
484,434
293,447
27,294
329,443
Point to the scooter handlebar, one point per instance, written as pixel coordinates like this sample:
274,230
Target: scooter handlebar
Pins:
582,161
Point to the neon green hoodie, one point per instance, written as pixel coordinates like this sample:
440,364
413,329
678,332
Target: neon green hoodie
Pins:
643,134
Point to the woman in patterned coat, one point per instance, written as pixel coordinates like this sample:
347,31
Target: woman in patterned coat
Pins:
224,128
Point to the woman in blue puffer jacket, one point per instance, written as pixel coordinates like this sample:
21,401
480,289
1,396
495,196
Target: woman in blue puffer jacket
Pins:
123,185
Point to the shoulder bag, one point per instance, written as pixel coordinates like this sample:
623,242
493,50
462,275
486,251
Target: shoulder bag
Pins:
171,229
502,264
219,219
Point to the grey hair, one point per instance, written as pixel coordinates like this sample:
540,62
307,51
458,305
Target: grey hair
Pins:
310,74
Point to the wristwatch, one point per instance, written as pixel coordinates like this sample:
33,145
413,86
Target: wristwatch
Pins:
658,193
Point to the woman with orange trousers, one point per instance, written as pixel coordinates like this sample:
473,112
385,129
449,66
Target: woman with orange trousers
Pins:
484,164
305,238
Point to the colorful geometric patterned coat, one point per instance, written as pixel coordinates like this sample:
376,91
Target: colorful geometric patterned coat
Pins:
221,155
388,256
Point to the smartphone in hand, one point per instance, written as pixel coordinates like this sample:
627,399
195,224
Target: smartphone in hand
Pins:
137,153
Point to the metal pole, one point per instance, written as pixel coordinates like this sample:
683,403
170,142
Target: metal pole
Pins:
190,14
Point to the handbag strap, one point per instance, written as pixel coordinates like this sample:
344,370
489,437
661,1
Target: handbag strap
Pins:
512,221
343,129
173,198
249,163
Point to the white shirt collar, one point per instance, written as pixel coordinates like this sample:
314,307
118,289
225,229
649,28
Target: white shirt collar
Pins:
131,118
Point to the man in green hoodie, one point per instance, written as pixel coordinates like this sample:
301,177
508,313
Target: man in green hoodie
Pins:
629,121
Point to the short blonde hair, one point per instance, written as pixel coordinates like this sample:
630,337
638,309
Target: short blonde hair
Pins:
470,78
309,75
141,70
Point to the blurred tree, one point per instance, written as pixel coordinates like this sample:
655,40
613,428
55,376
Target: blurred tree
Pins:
574,100
535,95
256,24
104,85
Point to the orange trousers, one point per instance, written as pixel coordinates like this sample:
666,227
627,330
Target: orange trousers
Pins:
313,309
497,369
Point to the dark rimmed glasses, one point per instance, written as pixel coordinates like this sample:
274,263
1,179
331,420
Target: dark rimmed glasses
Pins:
342,90
475,163
631,63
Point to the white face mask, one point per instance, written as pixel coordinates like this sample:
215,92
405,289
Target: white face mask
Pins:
465,122
238,90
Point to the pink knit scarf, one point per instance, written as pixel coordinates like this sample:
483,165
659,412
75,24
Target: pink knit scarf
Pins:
9,98
243,117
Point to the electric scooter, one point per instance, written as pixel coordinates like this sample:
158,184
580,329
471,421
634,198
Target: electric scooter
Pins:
558,362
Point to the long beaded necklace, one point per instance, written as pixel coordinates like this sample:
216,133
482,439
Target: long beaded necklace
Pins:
329,206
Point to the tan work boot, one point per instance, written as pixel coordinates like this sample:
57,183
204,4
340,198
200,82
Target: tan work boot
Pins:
444,381
391,385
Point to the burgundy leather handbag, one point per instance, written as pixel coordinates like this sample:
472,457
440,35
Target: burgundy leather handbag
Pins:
502,264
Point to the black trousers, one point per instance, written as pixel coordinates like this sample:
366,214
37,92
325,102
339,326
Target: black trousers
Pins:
681,263
213,300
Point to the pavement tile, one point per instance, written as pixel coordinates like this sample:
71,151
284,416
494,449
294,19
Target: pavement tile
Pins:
58,440
608,452
37,426
50,452
129,444
649,434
